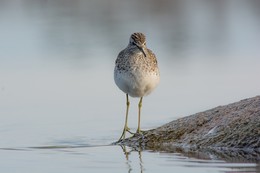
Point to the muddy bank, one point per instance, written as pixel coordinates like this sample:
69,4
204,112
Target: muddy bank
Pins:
229,130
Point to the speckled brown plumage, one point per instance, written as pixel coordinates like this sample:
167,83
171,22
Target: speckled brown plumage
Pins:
136,72
134,66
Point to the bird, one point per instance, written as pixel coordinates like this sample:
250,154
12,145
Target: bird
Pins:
136,73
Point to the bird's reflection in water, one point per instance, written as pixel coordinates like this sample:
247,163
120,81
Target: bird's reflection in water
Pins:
127,152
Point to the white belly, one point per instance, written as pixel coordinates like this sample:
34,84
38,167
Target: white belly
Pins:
138,84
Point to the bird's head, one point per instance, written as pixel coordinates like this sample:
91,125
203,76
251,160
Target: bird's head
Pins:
138,39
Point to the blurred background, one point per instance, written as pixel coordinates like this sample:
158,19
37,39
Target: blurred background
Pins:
57,60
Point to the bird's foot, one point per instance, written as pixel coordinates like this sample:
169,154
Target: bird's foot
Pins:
126,129
139,132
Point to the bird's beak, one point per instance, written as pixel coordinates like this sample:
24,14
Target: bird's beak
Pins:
142,50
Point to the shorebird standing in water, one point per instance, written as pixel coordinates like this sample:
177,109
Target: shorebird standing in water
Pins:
136,73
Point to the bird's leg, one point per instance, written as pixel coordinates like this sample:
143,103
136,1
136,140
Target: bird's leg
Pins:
139,115
126,129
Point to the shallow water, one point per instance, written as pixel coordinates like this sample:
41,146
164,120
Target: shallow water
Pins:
59,107
84,158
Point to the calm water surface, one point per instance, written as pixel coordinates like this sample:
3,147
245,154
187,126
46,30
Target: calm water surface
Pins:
59,107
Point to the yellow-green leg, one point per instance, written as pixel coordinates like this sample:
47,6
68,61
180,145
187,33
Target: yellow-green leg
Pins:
139,115
126,129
